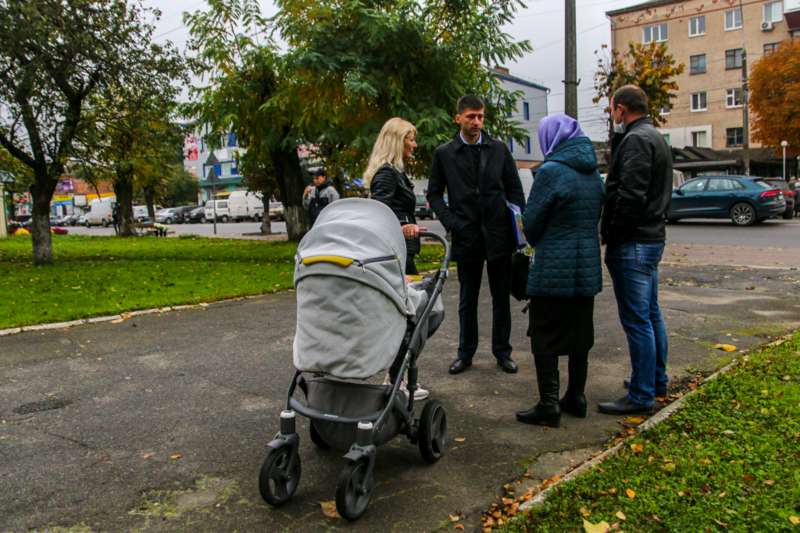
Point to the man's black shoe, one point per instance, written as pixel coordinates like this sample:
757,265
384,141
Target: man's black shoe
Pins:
541,415
508,365
459,365
623,406
659,391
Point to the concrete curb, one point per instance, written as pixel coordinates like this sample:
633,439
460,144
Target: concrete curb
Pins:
648,424
126,315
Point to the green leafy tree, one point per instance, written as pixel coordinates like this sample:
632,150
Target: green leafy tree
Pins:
54,56
650,66
180,187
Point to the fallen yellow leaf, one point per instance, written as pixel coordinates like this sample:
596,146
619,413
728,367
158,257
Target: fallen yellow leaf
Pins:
769,482
460,439
147,455
795,520
637,448
329,509
636,420
621,515
459,527
175,456
454,517
584,512
631,494
601,527
725,347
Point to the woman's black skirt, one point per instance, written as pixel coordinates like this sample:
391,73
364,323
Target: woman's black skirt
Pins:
561,326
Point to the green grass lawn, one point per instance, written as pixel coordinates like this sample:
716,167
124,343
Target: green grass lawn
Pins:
94,276
729,460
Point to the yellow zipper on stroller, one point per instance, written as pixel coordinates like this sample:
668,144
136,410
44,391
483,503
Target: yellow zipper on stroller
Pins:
344,262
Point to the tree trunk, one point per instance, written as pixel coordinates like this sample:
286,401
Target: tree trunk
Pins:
266,223
42,193
149,199
123,189
290,178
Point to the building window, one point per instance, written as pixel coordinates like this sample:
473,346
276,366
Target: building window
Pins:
511,144
657,33
231,140
697,26
699,139
526,110
527,145
699,101
734,136
773,12
771,48
697,64
665,109
733,19
733,97
734,58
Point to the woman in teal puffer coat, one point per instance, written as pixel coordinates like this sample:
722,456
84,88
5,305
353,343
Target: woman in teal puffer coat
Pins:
561,223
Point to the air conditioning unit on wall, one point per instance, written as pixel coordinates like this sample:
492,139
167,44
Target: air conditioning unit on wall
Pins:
767,26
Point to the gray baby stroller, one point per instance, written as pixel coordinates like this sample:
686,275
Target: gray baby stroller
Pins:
356,318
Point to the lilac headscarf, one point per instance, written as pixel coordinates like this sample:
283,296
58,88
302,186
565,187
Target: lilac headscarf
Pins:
555,129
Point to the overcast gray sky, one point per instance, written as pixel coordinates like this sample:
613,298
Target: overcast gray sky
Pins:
541,22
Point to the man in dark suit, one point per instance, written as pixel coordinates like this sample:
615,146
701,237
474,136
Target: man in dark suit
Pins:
479,175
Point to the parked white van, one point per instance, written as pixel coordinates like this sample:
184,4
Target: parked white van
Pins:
100,212
245,205
223,215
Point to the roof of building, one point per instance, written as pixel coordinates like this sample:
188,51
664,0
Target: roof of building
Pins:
515,79
640,6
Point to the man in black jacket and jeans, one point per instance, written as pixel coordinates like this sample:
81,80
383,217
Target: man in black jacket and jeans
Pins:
479,175
638,192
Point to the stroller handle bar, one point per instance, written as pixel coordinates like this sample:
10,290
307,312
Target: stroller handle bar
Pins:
441,240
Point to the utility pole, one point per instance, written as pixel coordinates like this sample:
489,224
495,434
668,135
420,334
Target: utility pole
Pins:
571,62
745,99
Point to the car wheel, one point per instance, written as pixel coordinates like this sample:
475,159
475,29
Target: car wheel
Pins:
224,219
743,214
788,214
168,221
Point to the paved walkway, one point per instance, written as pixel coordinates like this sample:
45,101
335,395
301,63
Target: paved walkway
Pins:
159,423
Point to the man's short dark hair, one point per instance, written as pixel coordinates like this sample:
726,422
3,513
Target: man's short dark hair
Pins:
469,101
320,172
632,97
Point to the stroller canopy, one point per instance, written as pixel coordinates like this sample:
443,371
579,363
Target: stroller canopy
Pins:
352,300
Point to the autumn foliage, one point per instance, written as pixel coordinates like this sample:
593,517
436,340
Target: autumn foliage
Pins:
650,66
775,96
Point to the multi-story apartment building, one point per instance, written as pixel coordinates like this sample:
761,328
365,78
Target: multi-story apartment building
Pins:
531,108
712,38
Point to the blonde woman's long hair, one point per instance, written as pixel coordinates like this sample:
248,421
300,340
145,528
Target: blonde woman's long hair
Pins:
389,147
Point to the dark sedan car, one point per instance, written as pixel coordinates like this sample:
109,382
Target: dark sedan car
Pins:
744,199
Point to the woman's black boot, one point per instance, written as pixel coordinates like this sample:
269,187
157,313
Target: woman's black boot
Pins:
547,412
574,401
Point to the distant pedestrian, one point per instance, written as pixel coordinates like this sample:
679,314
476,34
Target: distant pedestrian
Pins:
561,219
319,195
479,176
115,217
388,183
638,191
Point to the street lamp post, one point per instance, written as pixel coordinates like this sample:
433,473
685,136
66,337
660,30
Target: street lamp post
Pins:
212,178
784,144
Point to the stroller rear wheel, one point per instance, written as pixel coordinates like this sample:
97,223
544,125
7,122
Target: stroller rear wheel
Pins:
432,436
354,489
280,475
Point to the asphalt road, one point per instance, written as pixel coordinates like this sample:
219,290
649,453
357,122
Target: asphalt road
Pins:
772,233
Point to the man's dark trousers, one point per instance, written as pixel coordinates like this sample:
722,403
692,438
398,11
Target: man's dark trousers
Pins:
470,275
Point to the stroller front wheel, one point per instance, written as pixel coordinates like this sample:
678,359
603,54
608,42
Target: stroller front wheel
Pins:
354,489
432,436
280,475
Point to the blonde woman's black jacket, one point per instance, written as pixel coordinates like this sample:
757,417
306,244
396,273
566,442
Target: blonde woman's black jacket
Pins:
478,180
393,188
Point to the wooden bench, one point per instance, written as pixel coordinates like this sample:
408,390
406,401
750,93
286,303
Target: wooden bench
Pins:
156,230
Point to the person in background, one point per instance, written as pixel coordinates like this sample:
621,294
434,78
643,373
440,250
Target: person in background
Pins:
388,183
318,195
638,192
561,219
479,175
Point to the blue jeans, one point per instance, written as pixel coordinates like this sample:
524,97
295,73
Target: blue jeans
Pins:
634,270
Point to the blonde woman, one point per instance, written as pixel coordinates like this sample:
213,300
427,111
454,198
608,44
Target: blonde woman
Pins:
387,181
